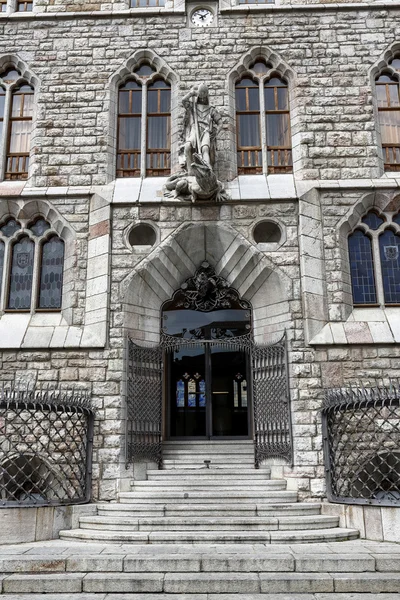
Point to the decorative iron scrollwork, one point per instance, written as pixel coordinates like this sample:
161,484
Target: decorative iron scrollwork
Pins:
206,291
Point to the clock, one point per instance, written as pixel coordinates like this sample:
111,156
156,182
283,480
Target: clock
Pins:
202,17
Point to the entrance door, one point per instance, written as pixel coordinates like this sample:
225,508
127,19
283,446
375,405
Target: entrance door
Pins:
208,394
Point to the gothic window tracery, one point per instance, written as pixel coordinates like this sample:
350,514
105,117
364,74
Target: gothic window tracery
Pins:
144,124
31,266
16,115
263,144
374,254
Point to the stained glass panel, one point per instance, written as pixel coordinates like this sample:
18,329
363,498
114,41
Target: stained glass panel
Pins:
39,227
1,262
180,393
202,393
191,393
20,291
372,220
362,268
389,247
51,275
9,228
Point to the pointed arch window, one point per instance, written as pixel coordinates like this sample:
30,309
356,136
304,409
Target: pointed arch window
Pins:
374,253
16,115
144,125
31,266
388,99
263,145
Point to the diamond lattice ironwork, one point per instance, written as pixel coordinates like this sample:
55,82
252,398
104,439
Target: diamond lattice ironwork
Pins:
362,445
45,447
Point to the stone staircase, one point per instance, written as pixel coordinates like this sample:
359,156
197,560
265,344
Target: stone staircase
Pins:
209,493
219,530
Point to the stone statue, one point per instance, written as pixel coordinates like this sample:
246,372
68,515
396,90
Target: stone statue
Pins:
202,123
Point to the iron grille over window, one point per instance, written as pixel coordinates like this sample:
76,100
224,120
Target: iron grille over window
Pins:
361,430
144,125
45,447
31,266
374,254
263,145
17,103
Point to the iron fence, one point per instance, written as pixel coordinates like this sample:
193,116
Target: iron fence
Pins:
46,439
361,431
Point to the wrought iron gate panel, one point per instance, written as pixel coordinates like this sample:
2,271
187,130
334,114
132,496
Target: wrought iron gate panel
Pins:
272,421
144,403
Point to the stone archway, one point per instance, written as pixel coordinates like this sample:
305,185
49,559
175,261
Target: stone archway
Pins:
242,264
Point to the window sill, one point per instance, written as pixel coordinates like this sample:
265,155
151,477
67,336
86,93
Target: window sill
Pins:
47,330
365,325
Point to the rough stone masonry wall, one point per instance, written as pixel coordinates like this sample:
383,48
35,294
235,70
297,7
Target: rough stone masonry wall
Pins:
328,52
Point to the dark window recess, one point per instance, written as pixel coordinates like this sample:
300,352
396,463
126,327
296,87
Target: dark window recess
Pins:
21,277
389,247
362,268
249,155
267,232
142,235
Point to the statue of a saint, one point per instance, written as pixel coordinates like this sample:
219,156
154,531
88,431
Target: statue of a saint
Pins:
201,126
197,180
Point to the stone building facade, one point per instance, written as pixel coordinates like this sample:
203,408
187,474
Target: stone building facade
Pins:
75,55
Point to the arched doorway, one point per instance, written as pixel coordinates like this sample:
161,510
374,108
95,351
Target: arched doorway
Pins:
206,332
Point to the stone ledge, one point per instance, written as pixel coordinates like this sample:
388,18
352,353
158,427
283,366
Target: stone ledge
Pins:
364,326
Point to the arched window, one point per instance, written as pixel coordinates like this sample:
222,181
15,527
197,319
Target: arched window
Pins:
31,266
388,99
16,128
129,129
374,249
248,127
144,125
263,147
277,123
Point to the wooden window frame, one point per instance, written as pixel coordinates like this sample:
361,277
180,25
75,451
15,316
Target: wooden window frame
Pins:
140,167
389,150
284,152
20,173
242,150
24,6
136,170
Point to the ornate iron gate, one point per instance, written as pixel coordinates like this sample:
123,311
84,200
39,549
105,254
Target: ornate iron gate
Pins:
272,420
144,393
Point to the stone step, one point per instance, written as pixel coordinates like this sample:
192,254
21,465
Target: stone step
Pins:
211,510
193,463
204,473
142,561
207,443
203,583
210,484
217,537
192,524
204,497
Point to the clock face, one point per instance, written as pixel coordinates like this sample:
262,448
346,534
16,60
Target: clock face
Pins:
202,17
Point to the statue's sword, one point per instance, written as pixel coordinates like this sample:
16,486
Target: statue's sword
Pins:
196,125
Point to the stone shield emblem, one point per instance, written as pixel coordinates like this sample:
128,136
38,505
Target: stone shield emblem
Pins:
23,259
391,252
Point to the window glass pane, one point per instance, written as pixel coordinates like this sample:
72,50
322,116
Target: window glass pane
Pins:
396,219
274,81
240,99
193,324
21,274
129,133
248,130
362,268
16,105
2,102
269,98
20,136
51,275
158,132
283,103
393,95
390,126
9,228
278,129
1,262
395,63
381,96
165,101
152,101
180,393
260,67
389,246
144,71
385,79
10,75
372,220
130,101
124,96
39,227
254,99
28,105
